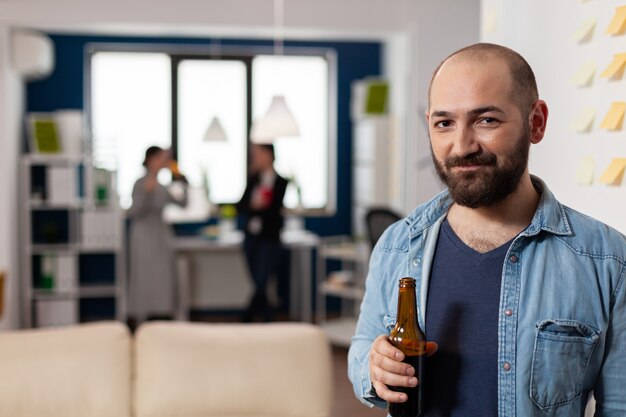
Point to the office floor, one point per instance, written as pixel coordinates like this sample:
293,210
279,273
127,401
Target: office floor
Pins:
345,403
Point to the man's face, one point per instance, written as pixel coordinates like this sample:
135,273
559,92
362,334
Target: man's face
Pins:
479,138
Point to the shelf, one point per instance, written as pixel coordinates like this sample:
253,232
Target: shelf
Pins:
94,291
61,159
43,249
340,331
99,249
344,291
44,205
346,252
45,294
55,202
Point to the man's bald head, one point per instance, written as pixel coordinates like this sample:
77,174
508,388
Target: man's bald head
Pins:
524,84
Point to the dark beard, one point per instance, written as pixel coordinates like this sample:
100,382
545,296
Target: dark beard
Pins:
491,183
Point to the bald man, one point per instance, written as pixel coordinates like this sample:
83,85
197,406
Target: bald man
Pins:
522,297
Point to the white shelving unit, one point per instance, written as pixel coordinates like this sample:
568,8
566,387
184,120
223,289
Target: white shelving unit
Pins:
347,284
86,260
372,186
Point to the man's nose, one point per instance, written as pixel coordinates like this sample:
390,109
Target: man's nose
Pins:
465,142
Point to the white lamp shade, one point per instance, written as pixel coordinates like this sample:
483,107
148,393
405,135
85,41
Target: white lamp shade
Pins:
33,54
278,121
215,132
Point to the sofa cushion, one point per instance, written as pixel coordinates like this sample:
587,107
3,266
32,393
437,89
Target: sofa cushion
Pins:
235,370
79,371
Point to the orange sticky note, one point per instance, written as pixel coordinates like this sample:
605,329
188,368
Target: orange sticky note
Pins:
614,173
614,118
584,75
585,32
615,69
618,23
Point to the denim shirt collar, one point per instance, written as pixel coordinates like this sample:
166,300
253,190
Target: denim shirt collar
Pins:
549,216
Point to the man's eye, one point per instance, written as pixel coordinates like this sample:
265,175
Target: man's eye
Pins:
443,123
488,120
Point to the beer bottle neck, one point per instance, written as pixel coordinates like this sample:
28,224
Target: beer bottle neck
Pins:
407,306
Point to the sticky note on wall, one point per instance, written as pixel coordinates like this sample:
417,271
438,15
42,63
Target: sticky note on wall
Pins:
584,75
586,171
618,23
584,33
490,22
584,121
615,70
2,284
615,116
614,173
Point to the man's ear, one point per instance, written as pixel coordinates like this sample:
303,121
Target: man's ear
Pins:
538,121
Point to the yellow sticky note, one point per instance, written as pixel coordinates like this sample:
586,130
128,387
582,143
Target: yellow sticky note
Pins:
618,23
585,32
584,120
490,24
615,69
584,75
614,173
586,171
614,118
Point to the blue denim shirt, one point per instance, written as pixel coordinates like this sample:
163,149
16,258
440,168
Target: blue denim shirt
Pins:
562,327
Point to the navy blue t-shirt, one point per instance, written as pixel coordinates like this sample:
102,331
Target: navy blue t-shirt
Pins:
461,379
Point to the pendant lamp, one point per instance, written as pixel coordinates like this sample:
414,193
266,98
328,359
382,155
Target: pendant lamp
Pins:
278,120
215,132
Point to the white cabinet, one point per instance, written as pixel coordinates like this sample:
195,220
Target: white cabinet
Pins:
72,257
346,285
373,169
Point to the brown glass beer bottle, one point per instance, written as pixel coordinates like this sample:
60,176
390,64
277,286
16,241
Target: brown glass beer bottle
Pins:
410,339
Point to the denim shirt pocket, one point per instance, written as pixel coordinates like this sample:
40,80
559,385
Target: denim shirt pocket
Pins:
560,357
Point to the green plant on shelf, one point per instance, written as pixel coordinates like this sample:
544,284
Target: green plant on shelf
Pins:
228,212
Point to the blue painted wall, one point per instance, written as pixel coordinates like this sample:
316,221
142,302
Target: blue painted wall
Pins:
355,60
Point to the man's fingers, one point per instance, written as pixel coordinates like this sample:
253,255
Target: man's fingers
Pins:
388,395
388,370
384,347
393,379
392,365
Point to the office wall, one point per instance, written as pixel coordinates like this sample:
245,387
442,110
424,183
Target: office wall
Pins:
10,109
542,31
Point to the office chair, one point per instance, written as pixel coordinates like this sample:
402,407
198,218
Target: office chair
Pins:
377,219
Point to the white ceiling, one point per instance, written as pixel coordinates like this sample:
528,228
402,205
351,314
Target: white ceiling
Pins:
360,19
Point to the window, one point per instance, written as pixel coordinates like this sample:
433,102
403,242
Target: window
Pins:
131,108
139,99
303,80
208,89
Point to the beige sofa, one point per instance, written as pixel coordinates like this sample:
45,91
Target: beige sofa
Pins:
167,369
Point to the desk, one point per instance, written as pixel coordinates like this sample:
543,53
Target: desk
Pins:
300,242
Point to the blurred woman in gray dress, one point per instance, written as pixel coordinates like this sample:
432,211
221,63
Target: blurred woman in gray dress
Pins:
152,263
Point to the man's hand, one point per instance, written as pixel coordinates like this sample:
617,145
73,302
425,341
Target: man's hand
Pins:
387,369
